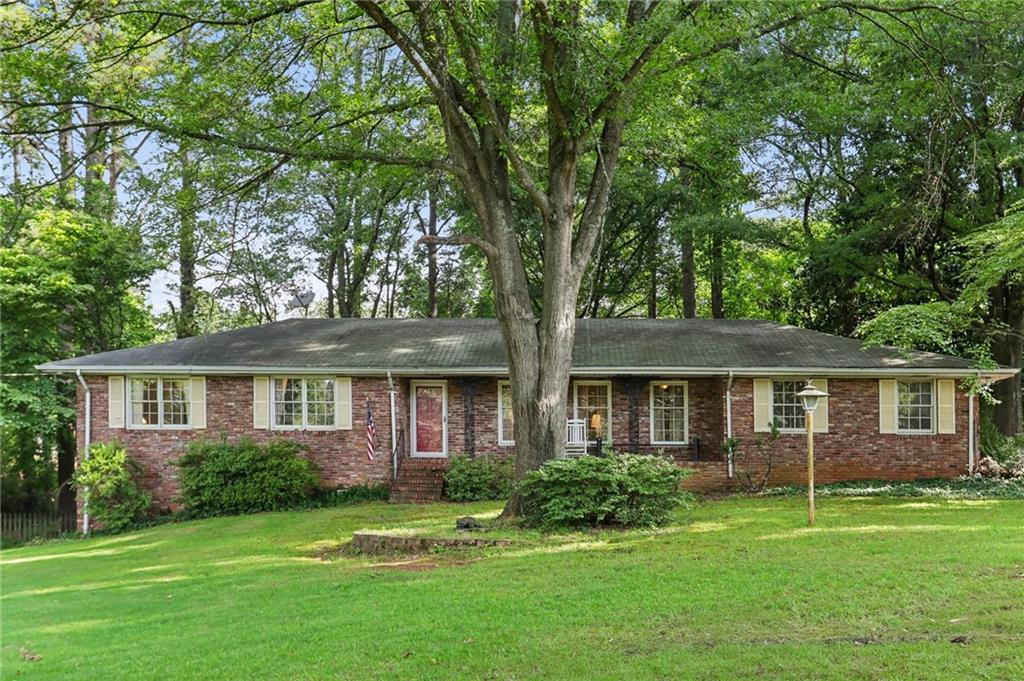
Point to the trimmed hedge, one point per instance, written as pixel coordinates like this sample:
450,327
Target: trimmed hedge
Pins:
628,490
218,477
482,478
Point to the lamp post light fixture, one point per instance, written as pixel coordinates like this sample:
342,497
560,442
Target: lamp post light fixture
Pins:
810,397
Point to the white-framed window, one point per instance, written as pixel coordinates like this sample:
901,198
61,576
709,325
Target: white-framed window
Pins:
302,402
787,408
669,417
506,419
915,406
592,402
159,402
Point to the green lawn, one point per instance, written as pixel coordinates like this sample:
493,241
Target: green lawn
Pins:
739,589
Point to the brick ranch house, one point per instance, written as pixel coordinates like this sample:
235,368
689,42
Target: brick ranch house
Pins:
438,387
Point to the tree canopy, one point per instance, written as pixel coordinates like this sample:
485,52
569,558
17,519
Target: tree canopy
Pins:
852,167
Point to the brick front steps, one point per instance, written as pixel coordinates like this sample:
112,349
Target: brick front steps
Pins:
419,480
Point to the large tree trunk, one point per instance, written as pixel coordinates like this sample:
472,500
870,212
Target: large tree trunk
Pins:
96,199
185,323
65,185
652,285
689,273
717,277
430,229
1008,350
332,263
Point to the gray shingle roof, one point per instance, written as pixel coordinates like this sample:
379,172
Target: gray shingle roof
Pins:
419,345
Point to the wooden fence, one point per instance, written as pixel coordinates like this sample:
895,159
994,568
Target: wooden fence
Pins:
21,527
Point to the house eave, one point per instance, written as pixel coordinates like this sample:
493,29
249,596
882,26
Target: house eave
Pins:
992,375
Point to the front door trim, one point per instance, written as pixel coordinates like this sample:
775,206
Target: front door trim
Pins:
443,385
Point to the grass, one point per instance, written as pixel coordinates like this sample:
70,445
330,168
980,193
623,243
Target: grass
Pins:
739,589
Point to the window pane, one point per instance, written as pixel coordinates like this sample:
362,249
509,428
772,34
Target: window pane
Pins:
145,405
914,408
288,401
507,419
788,409
175,398
320,402
593,407
669,412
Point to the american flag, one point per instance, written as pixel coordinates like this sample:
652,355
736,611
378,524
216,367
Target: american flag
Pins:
371,434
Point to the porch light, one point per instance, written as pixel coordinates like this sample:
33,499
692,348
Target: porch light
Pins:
810,396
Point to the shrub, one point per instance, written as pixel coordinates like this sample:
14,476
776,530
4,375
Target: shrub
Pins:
753,471
346,496
629,490
218,477
957,488
1008,451
115,498
482,478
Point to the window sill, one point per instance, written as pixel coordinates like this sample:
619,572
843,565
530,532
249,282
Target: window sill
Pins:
138,427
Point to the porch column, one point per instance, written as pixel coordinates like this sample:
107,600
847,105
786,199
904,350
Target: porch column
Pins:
634,388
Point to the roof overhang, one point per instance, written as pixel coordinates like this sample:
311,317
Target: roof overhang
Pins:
992,375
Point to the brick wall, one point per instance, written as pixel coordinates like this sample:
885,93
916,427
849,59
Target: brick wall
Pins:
339,454
853,449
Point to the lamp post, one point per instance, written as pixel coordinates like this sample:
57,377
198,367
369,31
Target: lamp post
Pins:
810,396
597,424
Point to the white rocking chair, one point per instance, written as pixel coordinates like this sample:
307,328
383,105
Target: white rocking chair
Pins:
576,437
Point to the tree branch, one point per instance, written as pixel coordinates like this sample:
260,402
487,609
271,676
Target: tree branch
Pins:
461,240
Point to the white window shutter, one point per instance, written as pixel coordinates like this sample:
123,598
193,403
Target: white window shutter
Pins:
260,402
115,401
946,389
821,413
762,405
197,414
887,406
343,403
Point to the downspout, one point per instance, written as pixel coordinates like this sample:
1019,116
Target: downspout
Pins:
728,422
88,438
970,428
394,430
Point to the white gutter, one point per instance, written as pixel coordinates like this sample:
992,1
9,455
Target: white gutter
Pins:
222,370
88,438
728,422
394,430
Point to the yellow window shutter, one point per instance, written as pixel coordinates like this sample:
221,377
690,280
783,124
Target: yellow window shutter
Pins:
946,389
821,413
887,406
115,401
260,402
762,405
343,403
198,398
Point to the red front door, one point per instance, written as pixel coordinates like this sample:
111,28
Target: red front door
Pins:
429,421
